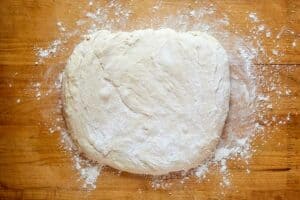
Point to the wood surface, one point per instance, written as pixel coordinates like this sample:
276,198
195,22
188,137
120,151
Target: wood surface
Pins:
33,164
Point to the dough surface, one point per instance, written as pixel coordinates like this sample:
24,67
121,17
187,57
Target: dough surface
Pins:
147,101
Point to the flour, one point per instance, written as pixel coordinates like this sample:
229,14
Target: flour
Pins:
87,170
249,117
50,50
201,171
61,26
253,17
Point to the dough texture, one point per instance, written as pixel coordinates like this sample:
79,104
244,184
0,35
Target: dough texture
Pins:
147,101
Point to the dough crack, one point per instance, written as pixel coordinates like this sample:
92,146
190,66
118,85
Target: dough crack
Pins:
122,98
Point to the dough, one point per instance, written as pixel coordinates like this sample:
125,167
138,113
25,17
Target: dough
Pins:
147,101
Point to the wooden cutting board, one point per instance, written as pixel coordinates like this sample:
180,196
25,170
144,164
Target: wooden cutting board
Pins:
32,162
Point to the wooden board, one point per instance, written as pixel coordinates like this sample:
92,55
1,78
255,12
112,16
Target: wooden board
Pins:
34,166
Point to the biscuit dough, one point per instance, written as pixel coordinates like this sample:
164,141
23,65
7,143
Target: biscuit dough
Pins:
147,101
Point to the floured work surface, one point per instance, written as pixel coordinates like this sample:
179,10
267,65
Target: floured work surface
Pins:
34,163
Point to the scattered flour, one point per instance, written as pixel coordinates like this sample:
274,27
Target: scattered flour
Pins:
248,116
87,170
61,27
49,51
253,17
201,171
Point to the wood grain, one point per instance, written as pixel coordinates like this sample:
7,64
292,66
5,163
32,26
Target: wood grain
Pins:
33,165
